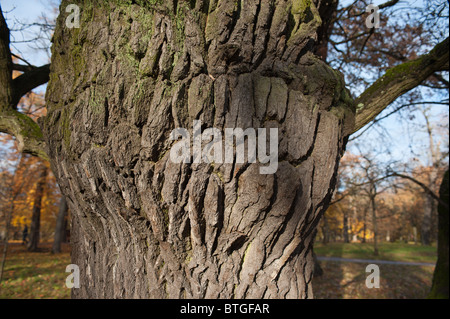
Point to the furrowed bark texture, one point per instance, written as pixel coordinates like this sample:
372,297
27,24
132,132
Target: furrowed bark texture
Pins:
144,227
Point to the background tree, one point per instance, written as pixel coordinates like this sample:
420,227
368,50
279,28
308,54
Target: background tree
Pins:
435,163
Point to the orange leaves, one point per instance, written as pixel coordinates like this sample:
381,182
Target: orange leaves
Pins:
18,191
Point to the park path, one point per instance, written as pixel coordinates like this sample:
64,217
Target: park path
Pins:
373,261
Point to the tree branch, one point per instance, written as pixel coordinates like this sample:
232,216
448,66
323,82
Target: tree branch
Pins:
338,200
397,81
397,109
388,4
6,86
29,80
27,132
424,187
381,6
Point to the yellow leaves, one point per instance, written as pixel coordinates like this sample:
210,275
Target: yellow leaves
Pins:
357,227
19,221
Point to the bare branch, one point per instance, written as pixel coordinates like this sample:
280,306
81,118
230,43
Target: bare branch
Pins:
381,6
21,59
425,188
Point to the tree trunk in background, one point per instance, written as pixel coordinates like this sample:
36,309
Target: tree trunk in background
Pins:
374,226
425,233
60,226
364,226
318,271
145,227
440,286
66,231
35,227
345,228
415,235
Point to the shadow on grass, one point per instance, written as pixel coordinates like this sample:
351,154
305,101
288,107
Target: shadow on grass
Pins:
345,280
329,282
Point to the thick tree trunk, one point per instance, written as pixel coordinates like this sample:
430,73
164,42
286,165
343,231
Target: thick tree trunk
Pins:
145,227
35,226
60,226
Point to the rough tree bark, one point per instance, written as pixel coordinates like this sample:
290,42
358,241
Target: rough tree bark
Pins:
146,227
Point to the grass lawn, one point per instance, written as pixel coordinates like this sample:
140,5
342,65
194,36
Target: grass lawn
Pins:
35,275
347,280
387,251
42,274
